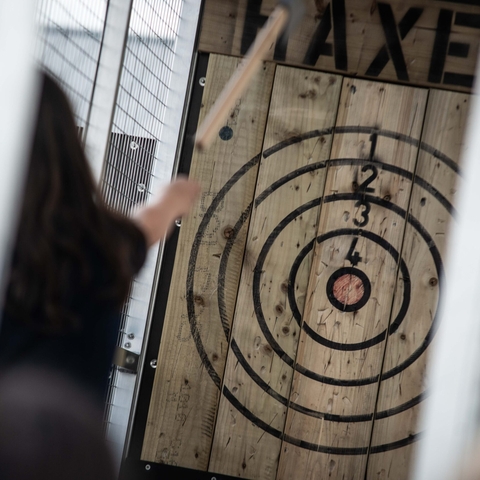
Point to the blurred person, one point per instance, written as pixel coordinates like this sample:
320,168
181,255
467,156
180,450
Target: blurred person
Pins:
74,258
50,429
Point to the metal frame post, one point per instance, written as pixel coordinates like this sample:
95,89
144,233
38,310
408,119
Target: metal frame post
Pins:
104,96
172,136
18,100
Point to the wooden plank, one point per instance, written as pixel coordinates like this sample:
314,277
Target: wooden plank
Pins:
352,280
419,42
252,412
187,380
398,405
219,17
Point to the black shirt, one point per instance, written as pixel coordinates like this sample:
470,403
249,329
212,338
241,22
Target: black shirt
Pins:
84,353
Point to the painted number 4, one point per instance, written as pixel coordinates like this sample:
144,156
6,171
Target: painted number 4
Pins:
352,256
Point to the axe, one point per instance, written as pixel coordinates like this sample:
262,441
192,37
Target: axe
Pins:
283,18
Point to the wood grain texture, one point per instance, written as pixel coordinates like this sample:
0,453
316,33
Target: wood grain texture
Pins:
411,41
307,385
302,101
444,126
186,388
219,18
349,366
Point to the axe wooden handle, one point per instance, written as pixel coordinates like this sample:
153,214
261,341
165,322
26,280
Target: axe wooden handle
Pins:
242,76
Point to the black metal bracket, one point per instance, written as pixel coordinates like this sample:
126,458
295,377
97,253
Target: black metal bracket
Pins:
140,470
126,360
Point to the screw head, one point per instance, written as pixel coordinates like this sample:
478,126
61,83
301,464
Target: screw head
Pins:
178,222
133,145
127,345
141,187
131,336
147,467
130,360
153,363
228,232
202,81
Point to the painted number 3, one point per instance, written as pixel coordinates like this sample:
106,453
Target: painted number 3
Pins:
364,187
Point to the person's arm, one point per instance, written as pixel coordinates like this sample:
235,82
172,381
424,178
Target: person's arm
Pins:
174,201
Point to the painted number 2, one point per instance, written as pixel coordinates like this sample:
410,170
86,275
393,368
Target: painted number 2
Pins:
364,188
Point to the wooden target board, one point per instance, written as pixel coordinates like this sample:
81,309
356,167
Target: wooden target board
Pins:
305,290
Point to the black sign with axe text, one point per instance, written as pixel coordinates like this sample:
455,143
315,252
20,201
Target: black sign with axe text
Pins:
420,42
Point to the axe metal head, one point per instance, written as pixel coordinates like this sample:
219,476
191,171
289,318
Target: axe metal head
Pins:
296,9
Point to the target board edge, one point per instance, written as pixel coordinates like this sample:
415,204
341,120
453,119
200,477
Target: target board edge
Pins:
184,399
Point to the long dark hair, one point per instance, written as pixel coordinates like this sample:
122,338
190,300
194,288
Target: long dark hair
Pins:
63,216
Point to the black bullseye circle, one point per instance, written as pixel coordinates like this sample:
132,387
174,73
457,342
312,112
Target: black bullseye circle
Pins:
350,232
420,230
348,289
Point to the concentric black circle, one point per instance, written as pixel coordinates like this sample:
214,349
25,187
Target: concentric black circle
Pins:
350,232
257,304
224,262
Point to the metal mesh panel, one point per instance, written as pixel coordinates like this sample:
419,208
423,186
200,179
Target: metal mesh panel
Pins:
127,175
136,163
144,84
69,46
69,42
